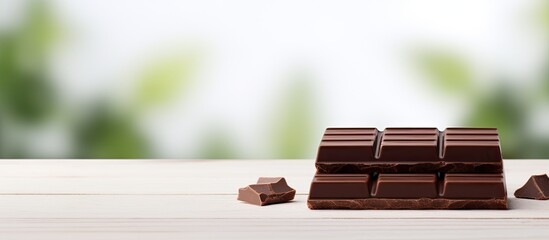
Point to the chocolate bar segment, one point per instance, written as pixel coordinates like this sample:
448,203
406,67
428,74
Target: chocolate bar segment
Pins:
471,145
408,151
405,186
473,186
346,186
353,145
346,151
408,145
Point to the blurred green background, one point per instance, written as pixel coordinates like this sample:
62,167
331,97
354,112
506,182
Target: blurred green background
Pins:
186,98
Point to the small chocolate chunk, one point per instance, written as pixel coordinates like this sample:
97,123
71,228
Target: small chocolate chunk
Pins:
268,190
537,187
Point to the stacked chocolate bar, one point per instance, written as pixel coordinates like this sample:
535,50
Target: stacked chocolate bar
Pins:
409,168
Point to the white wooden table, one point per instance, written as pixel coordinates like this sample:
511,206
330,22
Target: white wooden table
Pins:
178,199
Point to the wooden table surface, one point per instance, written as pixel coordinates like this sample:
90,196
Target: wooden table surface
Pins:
182,199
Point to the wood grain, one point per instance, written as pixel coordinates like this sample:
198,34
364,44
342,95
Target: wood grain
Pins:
171,199
226,206
167,229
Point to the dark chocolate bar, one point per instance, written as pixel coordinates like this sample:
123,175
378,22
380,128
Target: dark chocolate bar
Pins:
413,150
409,168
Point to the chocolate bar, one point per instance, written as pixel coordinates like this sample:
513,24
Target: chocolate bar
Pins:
409,168
417,150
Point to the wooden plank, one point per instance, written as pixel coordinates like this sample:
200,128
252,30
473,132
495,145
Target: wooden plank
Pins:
222,216
227,207
166,229
144,199
146,176
178,176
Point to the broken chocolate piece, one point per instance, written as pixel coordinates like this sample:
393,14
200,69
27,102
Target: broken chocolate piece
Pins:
268,190
537,187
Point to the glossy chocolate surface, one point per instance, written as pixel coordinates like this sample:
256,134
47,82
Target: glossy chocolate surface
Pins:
414,150
267,190
537,187
409,168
